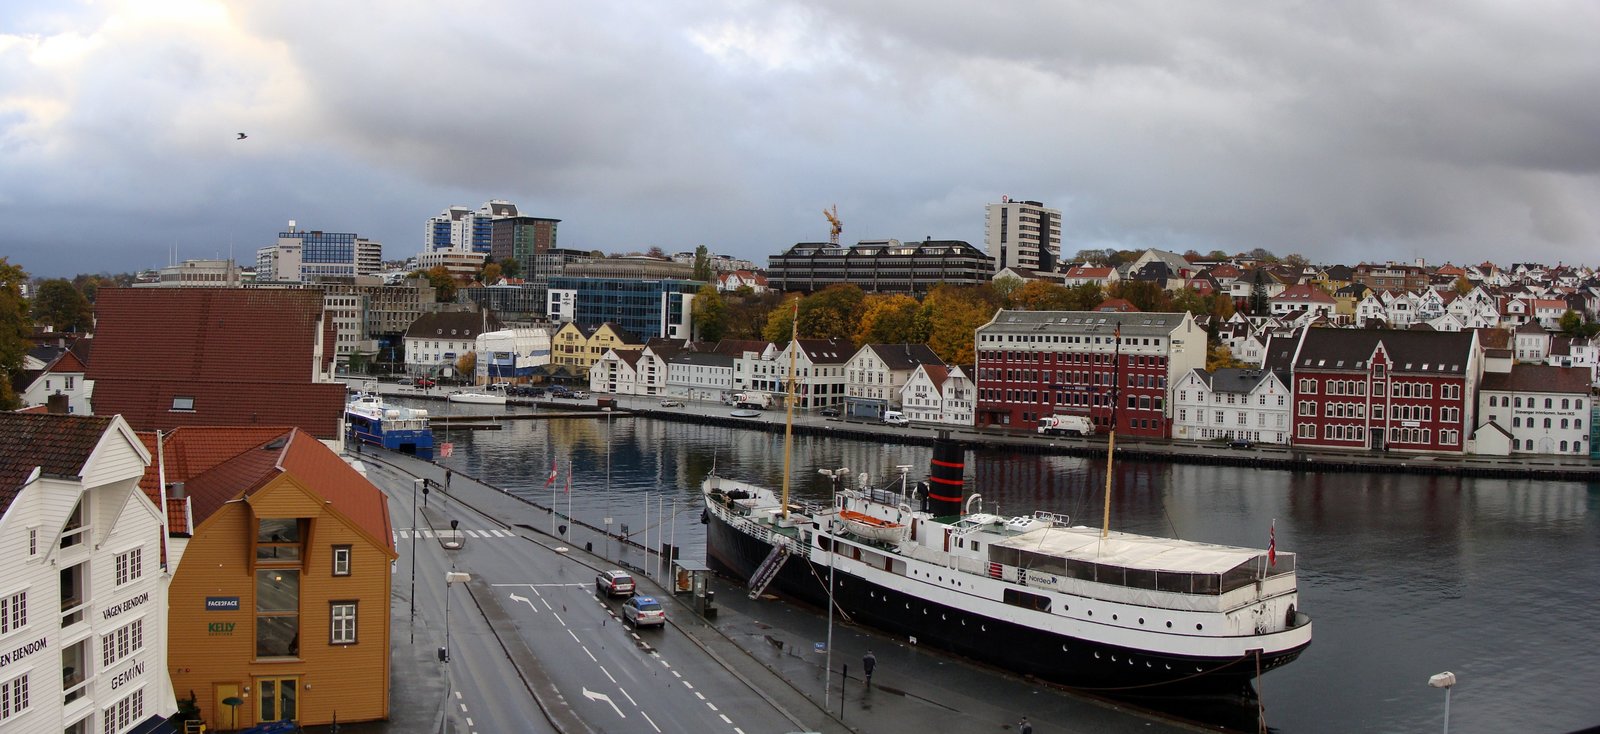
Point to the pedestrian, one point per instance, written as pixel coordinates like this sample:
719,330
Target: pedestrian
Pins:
1024,727
868,662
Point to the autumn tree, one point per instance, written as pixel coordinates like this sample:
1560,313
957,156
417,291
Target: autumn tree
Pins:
656,251
781,321
709,314
1463,286
1220,357
1041,295
1145,295
1085,296
62,306
490,274
891,319
748,312
444,284
467,365
954,315
1004,286
14,328
831,313
1296,261
1092,257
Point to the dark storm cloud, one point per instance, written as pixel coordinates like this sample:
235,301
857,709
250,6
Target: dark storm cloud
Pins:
1346,131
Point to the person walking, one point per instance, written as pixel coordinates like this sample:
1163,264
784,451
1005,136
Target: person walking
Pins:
868,663
1023,727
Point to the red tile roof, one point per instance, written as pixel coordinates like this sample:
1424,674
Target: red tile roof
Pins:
248,357
188,452
59,445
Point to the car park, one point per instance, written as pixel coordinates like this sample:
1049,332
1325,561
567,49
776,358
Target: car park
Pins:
644,611
614,583
670,403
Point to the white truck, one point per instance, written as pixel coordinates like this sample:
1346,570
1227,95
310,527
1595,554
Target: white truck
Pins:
1066,425
753,400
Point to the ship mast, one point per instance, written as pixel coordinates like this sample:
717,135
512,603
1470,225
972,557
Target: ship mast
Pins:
788,423
1111,442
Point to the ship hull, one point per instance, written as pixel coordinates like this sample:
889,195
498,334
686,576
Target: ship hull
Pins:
1070,661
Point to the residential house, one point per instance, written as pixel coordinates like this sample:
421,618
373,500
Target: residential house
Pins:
730,282
700,375
875,374
819,366
1544,409
170,357
617,373
1231,404
83,592
285,584
437,343
1085,274
935,393
1531,342
62,379
1391,276
1036,363
576,348
1301,300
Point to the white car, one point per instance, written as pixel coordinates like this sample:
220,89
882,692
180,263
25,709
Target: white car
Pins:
644,611
670,403
580,395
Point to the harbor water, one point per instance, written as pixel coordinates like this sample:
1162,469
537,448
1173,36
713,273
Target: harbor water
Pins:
1404,576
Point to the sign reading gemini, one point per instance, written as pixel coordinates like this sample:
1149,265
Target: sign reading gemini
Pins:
222,603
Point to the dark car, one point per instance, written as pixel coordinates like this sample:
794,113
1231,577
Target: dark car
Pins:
1241,443
831,411
614,583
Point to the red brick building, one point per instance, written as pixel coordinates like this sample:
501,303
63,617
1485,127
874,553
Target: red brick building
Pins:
1385,390
1032,364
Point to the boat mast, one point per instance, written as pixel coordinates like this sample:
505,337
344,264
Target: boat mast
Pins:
788,422
1111,442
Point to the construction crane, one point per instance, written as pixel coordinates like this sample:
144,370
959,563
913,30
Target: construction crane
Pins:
833,219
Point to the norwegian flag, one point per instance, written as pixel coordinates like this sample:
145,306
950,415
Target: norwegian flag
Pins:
551,480
1272,544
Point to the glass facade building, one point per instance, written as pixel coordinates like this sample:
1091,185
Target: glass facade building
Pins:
647,308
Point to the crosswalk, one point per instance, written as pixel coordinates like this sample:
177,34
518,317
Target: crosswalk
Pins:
408,534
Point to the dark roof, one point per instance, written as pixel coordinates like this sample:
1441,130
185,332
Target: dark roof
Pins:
453,325
1237,380
1494,338
1436,353
246,356
59,445
905,356
737,347
1539,378
1280,352
828,351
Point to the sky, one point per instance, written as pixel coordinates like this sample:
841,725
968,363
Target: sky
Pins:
1449,130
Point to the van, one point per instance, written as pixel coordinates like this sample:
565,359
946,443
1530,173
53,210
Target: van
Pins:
895,418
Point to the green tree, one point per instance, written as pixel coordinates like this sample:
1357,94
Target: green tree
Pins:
491,274
891,319
1145,295
1004,285
1085,296
1217,255
748,313
1190,300
62,306
709,314
511,268
702,264
1571,323
1092,257
14,328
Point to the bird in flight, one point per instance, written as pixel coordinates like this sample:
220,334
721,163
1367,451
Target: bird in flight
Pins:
242,136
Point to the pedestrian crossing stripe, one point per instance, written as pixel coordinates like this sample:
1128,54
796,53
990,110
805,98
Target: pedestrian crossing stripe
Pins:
408,534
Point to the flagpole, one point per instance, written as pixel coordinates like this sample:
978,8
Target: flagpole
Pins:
569,499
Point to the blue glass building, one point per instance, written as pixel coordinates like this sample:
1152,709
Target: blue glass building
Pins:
647,308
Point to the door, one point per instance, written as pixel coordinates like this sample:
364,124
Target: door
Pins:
277,698
226,701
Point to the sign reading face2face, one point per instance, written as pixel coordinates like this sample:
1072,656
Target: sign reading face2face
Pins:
222,603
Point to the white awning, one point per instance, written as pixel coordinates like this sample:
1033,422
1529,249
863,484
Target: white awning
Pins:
1127,550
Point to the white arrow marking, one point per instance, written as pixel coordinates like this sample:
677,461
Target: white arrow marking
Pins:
594,696
524,600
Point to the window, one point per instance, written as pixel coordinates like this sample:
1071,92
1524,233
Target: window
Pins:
130,565
341,560
278,539
277,612
13,612
125,713
183,402
342,623
13,696
121,643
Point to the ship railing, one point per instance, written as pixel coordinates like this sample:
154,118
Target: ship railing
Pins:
1054,518
1106,591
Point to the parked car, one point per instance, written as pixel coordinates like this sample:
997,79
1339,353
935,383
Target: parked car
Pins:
501,386
670,403
831,411
580,395
425,382
1241,443
644,611
614,583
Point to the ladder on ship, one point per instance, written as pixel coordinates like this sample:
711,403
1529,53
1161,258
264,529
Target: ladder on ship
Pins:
768,569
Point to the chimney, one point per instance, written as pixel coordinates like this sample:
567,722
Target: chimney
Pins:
57,404
175,491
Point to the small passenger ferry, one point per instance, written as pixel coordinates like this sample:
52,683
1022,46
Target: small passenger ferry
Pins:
370,421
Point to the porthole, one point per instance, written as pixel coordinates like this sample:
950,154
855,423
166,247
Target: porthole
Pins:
1141,620
983,628
1064,648
1169,625
1199,627
1168,665
908,605
1113,617
943,617
872,595
924,611
1113,658
1148,665
1091,612
963,623
1097,655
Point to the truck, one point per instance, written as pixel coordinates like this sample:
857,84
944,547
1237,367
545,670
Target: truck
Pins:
753,400
1065,425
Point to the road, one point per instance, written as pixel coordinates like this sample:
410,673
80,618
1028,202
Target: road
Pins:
525,593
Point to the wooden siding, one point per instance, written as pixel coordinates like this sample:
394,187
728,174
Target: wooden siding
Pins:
118,456
350,679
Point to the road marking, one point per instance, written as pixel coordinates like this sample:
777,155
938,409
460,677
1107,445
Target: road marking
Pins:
590,654
545,602
680,675
595,696
737,730
574,636
711,706
536,587
608,673
426,533
559,619
524,600
686,684
653,723
625,693
469,721
458,695
665,664
700,695
726,720
463,708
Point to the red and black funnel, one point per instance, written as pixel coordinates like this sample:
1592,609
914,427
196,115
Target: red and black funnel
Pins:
947,472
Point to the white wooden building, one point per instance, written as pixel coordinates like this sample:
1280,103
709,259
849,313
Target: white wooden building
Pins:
1249,404
938,394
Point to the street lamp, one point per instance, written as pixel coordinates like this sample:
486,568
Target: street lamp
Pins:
450,577
608,481
414,483
833,475
1445,680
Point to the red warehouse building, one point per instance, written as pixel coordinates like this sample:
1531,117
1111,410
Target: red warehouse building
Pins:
1032,364
1385,390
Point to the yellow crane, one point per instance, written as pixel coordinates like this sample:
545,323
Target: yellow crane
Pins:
833,219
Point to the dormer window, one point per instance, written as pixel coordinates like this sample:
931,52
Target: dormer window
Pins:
183,403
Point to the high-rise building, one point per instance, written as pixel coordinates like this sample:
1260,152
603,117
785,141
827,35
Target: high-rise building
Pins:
522,239
465,230
1023,234
307,255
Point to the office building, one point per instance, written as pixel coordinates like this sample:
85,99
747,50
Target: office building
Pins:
879,266
1023,234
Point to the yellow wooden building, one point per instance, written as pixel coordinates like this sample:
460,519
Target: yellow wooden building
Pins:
280,603
578,348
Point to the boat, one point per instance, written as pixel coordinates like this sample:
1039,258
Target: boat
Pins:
476,398
369,421
746,414
1114,613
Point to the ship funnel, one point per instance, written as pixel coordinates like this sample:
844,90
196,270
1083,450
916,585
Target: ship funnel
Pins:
945,476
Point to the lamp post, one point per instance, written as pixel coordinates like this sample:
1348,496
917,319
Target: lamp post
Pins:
827,671
414,484
450,577
608,482
1445,680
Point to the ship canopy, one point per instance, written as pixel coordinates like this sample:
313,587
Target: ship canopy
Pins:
1136,560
